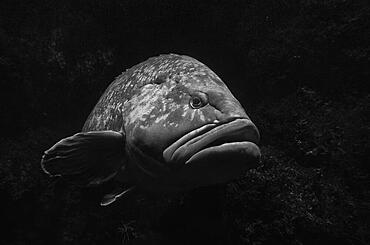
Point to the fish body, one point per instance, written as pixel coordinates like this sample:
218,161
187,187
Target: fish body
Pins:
166,124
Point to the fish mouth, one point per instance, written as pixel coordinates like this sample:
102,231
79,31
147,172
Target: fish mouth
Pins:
216,152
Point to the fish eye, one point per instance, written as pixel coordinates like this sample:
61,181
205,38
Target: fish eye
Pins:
197,101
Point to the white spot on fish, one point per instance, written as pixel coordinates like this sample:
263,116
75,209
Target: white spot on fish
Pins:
201,115
161,118
192,115
141,105
184,113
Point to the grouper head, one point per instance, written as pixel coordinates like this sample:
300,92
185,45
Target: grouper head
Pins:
186,129
168,123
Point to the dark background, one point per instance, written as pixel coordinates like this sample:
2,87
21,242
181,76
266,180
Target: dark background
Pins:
300,68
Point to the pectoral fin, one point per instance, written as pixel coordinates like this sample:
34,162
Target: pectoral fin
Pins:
88,158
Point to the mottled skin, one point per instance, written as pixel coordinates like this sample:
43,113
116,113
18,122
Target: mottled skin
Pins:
150,104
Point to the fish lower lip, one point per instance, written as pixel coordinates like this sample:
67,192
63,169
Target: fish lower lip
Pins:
220,164
238,137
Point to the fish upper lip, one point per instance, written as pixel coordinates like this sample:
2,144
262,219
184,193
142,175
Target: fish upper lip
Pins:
233,130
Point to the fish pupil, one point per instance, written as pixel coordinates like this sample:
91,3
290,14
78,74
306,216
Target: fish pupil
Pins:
196,102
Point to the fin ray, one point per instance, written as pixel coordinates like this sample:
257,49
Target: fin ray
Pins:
87,158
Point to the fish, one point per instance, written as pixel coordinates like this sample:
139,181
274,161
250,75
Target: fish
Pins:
167,124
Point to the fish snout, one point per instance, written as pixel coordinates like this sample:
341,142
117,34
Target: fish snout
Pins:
227,106
251,131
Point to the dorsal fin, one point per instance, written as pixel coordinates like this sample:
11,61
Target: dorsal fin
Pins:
88,158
